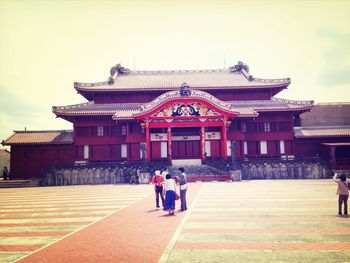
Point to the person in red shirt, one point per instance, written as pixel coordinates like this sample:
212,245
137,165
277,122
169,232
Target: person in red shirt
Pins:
158,182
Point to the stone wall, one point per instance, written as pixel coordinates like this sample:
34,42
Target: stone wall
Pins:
98,175
284,170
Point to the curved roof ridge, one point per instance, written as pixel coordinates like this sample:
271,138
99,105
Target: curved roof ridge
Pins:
169,71
298,102
279,80
41,131
176,94
235,76
73,106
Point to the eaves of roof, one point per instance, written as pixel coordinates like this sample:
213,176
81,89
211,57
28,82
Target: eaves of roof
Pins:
40,137
172,79
322,131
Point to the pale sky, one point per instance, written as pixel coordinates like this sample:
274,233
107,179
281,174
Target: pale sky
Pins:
47,45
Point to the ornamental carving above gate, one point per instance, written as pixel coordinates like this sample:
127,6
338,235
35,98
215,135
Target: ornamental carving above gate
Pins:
185,90
186,109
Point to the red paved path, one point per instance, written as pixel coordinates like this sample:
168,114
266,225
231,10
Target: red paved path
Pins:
138,233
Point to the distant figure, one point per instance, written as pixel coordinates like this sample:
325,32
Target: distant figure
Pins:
133,178
183,189
165,172
170,192
158,181
5,173
343,192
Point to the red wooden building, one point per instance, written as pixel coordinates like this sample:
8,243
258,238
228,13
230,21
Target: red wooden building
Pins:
174,114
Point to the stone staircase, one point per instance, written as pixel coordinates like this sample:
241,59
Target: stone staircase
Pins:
200,173
19,183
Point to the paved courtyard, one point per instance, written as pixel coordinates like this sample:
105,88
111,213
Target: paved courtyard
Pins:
255,221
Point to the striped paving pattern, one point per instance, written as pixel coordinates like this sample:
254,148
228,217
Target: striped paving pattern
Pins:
263,221
32,218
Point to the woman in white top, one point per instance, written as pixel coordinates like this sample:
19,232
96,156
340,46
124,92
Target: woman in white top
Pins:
170,192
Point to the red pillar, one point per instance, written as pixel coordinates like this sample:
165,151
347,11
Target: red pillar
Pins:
169,145
202,143
224,141
148,142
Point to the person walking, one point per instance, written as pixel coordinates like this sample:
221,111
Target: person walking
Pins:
343,192
158,181
170,193
5,173
183,188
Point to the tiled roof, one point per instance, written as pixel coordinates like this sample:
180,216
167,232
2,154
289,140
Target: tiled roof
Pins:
90,108
330,114
275,104
248,108
172,79
40,137
321,131
129,110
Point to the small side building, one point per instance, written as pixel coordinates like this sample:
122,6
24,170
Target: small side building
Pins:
324,132
32,152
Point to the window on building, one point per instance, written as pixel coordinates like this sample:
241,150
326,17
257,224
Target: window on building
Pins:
284,126
267,127
244,127
116,130
245,147
282,147
207,148
135,128
124,151
263,147
106,130
82,131
273,126
94,131
163,149
100,131
251,127
141,151
123,129
233,126
86,151
228,147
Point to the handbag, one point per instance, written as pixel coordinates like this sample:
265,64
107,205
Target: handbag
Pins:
177,197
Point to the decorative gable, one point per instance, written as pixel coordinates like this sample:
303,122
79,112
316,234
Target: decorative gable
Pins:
186,109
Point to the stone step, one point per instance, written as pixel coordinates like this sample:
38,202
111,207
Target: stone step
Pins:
19,183
186,162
